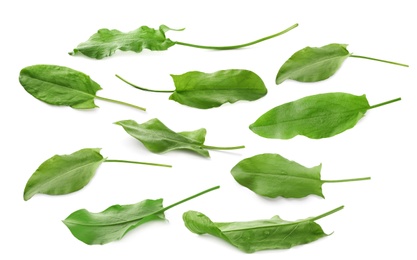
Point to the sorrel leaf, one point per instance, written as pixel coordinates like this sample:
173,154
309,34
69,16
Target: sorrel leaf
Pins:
62,86
207,90
158,138
114,222
63,174
272,175
313,64
252,236
105,42
316,116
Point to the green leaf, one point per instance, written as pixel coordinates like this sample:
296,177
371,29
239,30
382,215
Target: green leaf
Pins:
316,116
252,236
63,174
114,222
62,86
207,90
105,42
313,64
158,138
57,85
272,175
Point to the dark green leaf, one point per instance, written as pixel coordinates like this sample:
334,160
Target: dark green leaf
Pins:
257,235
114,222
63,174
207,90
313,64
272,175
62,86
57,85
316,64
105,42
158,138
316,116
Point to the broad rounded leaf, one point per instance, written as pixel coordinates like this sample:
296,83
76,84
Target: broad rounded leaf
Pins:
57,85
272,175
158,138
316,116
252,236
313,64
114,222
63,174
105,42
208,90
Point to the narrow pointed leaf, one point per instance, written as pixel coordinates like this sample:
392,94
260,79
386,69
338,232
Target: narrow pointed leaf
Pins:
208,90
158,138
316,116
57,85
272,175
106,42
114,222
252,236
63,174
313,64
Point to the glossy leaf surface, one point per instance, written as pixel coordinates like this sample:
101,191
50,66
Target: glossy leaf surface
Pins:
63,174
252,236
316,116
114,222
272,175
105,42
57,85
208,90
313,64
158,138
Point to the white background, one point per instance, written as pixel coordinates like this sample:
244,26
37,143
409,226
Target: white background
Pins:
377,221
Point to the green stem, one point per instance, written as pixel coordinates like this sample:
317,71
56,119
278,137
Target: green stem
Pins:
386,61
187,199
347,180
240,45
120,102
223,148
385,103
327,213
145,89
135,162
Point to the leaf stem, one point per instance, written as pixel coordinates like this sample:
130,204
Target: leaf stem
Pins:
135,162
327,213
347,180
120,102
187,199
223,148
386,61
385,103
144,89
240,45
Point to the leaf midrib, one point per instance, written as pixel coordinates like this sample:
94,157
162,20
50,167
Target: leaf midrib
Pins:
65,174
312,64
278,174
62,86
326,115
267,226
